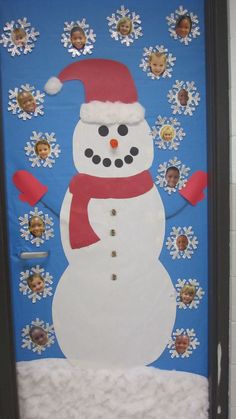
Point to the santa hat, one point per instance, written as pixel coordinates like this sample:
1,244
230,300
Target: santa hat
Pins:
110,92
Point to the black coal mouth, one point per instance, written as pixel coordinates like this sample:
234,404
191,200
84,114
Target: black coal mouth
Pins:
107,162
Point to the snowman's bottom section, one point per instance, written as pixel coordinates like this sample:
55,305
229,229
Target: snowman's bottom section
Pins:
53,388
104,323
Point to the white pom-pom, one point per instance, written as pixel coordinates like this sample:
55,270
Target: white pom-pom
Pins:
53,86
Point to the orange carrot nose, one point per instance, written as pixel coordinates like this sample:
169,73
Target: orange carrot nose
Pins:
114,143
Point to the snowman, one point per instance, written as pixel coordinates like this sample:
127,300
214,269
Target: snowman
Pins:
115,304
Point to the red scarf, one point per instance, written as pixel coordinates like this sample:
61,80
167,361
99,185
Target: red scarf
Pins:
84,187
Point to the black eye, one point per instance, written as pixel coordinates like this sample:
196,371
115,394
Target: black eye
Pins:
103,130
122,130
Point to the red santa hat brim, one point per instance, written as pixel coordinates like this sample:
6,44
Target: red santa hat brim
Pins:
110,92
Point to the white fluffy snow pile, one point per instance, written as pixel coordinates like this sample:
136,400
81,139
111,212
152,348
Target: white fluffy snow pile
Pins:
53,388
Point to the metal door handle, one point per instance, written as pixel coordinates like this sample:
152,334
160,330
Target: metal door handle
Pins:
33,255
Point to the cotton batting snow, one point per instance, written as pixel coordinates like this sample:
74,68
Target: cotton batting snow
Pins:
54,388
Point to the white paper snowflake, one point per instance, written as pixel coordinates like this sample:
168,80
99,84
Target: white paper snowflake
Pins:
136,30
192,97
90,38
193,342
183,174
54,149
145,65
167,133
25,232
7,38
25,289
15,108
191,242
189,284
27,342
173,19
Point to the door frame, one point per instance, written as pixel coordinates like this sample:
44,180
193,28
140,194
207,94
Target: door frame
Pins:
219,216
218,225
8,386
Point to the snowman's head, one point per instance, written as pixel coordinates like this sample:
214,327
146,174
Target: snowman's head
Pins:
112,139
112,150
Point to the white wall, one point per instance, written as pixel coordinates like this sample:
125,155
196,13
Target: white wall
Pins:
232,92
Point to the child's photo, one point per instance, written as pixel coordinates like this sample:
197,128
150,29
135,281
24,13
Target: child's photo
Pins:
183,97
172,176
42,149
19,37
36,283
38,335
181,343
36,226
26,101
167,133
124,26
182,242
187,294
183,26
78,37
157,63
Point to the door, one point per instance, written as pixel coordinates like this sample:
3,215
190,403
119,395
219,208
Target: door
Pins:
106,160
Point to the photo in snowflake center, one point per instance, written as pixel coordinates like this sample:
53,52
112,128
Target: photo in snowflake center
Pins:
36,227
19,37
37,336
189,293
181,344
172,176
42,149
26,102
36,284
183,25
78,38
125,26
113,152
157,62
167,133
184,97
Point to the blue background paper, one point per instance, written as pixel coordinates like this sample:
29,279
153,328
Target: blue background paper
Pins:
48,58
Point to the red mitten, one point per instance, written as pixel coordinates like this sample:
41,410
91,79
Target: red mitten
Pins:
32,190
193,191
